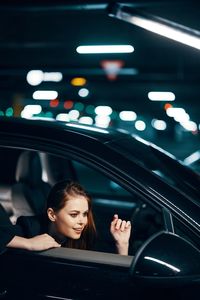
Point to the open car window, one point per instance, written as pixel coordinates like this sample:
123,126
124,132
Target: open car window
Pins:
108,196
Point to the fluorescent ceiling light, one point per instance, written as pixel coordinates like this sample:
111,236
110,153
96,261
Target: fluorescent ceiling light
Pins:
189,125
34,108
52,76
192,158
105,49
175,111
103,110
164,27
45,95
127,115
161,96
35,77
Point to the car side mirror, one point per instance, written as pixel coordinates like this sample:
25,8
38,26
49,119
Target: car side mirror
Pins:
166,258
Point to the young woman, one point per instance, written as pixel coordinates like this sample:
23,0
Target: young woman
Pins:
69,223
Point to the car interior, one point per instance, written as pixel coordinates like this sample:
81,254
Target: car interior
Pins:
27,176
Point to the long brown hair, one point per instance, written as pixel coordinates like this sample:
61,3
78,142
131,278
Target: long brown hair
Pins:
61,192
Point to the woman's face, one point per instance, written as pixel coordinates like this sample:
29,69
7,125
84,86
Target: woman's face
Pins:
72,218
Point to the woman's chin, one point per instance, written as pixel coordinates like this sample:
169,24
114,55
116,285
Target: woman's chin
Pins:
76,236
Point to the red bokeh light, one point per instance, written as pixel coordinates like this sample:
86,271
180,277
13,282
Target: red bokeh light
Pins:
68,104
54,103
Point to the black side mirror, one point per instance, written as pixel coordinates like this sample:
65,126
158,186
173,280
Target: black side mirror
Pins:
166,259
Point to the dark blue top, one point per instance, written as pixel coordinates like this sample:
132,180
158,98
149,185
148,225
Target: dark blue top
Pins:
26,226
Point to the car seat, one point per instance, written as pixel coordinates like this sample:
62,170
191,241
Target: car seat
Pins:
30,192
58,168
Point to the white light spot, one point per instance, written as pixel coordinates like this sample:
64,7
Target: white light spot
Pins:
140,125
45,95
103,110
83,92
90,49
34,77
159,124
161,96
86,120
126,115
73,114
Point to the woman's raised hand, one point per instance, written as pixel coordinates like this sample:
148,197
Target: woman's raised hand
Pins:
121,230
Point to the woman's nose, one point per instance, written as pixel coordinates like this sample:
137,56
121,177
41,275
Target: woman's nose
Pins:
81,220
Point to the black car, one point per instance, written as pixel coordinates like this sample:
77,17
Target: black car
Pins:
125,175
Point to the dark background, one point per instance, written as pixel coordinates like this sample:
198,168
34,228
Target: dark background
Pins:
44,35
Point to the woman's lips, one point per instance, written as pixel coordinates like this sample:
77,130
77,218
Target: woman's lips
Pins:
78,231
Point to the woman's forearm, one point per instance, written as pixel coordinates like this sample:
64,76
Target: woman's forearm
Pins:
19,242
36,243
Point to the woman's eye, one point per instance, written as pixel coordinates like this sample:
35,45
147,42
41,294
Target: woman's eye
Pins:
85,214
73,215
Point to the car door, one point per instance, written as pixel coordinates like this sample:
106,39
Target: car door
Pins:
80,274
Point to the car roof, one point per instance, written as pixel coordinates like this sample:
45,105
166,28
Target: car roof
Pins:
94,132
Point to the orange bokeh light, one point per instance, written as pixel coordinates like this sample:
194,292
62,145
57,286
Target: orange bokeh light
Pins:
167,105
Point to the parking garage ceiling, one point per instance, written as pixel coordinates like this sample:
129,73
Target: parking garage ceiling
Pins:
44,36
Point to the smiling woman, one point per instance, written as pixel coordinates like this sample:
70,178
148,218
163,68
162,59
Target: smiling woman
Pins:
68,222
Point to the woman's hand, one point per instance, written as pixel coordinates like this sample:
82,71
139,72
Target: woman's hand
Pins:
121,230
37,243
42,242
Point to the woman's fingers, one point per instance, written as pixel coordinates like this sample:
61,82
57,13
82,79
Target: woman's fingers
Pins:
114,221
120,224
115,216
51,242
128,223
123,225
43,242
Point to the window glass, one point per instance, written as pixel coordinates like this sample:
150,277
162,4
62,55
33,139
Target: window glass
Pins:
97,183
163,165
185,232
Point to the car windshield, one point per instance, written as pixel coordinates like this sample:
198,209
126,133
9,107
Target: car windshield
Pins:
162,164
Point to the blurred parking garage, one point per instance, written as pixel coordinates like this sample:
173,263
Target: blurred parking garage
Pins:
38,52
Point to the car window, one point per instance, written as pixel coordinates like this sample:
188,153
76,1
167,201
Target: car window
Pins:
97,183
183,231
109,198
163,165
